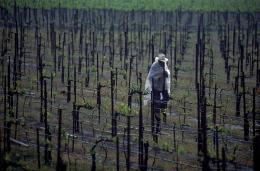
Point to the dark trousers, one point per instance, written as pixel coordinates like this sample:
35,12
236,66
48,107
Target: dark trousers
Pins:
158,105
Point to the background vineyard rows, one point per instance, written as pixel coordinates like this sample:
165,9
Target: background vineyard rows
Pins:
72,82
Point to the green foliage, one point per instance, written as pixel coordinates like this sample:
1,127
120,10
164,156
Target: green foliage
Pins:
124,109
209,116
12,157
123,73
135,88
54,93
211,152
46,73
93,69
128,5
224,130
53,74
49,114
181,150
87,103
8,157
166,146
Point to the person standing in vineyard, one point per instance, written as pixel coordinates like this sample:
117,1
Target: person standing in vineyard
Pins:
157,88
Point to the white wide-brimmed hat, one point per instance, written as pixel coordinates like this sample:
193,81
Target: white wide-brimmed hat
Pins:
161,57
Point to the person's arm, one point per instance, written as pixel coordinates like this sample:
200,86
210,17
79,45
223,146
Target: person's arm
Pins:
155,72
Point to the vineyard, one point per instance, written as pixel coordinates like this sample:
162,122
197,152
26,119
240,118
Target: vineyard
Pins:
72,88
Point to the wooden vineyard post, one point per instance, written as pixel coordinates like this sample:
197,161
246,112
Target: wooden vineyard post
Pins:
175,42
15,61
141,128
217,147
246,122
62,70
114,124
99,101
60,56
177,157
238,94
53,44
128,156
5,111
196,64
211,70
247,42
3,53
241,58
59,165
215,105
228,74
51,90
16,113
201,98
62,60
126,45
117,154
257,63
45,123
116,83
204,135
128,143
10,107
223,159
227,55
93,156
130,73
258,77
174,136
38,149
238,99
68,62
75,84
146,146
81,42
234,41
256,139
77,119
171,48
253,47
256,152
153,57
253,111
47,151
41,77
59,160
21,49
199,120
164,43
68,91
1,152
2,161
74,112
87,67
93,152
113,46
97,66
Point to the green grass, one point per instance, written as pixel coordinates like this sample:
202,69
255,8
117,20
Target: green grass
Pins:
164,5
